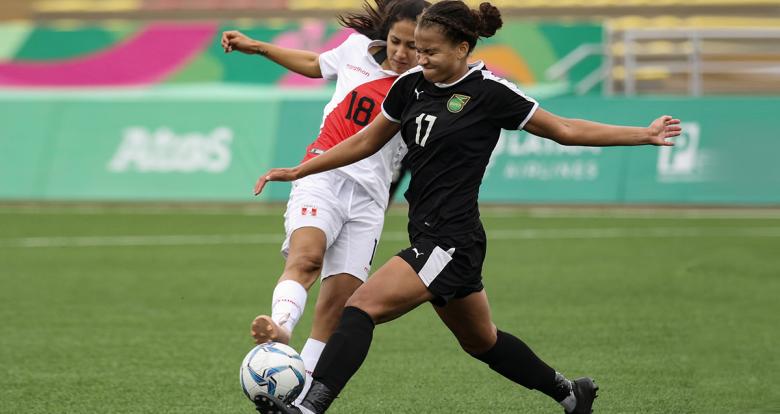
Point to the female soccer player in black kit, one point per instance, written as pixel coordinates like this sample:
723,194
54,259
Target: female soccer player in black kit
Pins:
450,114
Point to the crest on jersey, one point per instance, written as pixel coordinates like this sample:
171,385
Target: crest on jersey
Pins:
309,210
457,102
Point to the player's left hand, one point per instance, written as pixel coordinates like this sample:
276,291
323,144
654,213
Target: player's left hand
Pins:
235,40
275,174
663,128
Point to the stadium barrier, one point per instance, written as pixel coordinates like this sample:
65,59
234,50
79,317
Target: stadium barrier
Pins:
201,144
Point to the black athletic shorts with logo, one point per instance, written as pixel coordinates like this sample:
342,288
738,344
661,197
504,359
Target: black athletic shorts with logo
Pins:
451,266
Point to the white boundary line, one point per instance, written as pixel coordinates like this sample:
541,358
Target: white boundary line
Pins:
660,213
657,213
144,210
276,239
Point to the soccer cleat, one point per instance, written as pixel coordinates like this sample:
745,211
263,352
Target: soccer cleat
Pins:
264,329
585,392
268,404
319,398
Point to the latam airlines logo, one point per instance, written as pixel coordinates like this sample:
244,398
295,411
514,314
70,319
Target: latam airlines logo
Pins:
520,155
685,161
162,151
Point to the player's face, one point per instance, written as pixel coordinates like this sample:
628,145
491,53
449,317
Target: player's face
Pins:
400,46
442,60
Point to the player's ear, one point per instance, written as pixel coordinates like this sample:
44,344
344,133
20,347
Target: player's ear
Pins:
462,50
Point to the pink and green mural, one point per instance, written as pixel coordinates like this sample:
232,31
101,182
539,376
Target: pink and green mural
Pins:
132,55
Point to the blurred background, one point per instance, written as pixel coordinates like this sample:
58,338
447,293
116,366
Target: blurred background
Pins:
134,100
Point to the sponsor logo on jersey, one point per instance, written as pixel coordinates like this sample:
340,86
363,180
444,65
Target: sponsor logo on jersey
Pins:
418,93
457,102
358,69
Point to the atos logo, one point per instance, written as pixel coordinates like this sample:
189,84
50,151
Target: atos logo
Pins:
162,151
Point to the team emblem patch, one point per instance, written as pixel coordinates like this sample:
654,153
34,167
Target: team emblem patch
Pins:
457,102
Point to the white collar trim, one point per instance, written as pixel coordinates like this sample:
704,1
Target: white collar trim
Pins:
478,65
370,57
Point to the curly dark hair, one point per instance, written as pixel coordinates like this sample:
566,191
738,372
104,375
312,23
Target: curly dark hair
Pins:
459,23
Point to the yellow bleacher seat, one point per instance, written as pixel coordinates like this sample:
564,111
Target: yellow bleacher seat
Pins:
60,6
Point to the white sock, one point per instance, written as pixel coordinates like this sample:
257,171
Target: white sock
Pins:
311,354
287,304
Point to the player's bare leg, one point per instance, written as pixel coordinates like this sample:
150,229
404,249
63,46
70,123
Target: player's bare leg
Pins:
334,292
389,293
469,320
301,270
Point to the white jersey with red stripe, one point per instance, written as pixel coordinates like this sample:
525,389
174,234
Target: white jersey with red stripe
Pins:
361,86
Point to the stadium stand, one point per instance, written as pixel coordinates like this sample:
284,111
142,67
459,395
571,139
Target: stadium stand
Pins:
697,55
647,47
671,55
207,9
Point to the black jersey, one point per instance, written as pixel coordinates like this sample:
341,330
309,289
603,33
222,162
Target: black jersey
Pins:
451,131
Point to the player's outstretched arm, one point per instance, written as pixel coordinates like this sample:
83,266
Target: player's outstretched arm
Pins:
303,62
586,133
361,145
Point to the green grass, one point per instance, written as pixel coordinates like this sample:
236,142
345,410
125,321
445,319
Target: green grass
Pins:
670,313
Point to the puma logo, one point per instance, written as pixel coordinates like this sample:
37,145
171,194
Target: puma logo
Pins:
418,93
418,254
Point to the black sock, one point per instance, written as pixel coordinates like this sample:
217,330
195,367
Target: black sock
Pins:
346,350
513,359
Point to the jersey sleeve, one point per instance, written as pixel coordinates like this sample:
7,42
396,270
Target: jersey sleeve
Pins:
510,108
396,99
331,61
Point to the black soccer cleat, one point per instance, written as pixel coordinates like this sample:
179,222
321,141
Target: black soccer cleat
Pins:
268,404
585,392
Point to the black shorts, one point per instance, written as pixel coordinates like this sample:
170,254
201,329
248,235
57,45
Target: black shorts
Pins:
451,267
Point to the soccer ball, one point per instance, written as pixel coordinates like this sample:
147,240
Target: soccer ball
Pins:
273,368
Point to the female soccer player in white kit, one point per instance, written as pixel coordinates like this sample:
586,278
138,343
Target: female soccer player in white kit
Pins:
334,220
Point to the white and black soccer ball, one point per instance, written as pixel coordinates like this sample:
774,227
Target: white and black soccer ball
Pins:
273,368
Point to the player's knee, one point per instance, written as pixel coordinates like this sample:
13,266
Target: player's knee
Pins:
304,268
357,300
365,303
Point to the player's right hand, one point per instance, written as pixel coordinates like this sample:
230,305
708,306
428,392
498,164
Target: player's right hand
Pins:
275,174
235,40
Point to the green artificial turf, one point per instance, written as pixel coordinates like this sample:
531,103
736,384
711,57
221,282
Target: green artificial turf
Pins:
139,309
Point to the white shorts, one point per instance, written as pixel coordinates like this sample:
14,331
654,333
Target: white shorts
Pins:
350,218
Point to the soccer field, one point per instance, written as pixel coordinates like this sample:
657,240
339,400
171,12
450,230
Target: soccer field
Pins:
146,309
